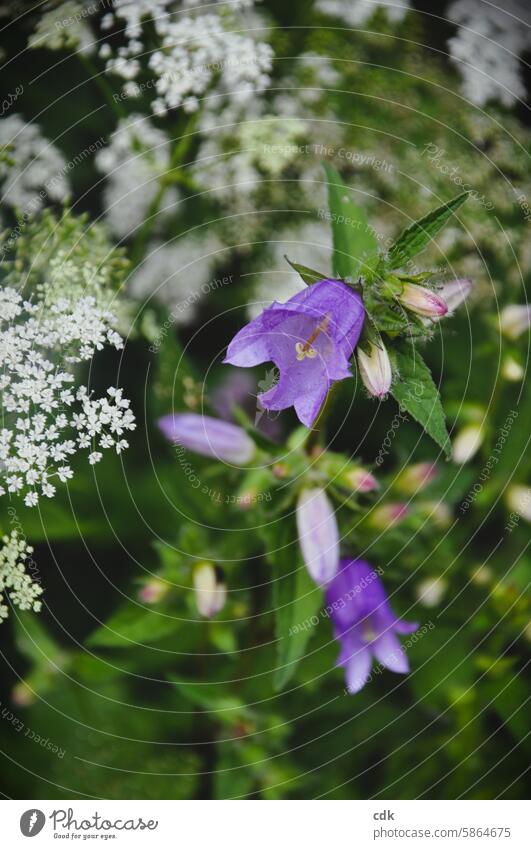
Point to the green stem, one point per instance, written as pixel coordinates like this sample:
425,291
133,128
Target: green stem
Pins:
317,429
99,81
172,176
139,246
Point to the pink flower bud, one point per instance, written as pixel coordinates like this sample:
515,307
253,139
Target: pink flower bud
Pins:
437,512
515,319
208,436
387,515
416,477
153,591
375,369
210,591
22,695
422,301
318,535
360,480
454,292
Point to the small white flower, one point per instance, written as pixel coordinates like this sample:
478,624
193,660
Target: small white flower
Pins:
41,409
14,580
95,457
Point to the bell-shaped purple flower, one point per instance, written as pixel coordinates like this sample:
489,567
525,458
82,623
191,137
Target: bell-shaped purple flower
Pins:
209,436
310,339
364,623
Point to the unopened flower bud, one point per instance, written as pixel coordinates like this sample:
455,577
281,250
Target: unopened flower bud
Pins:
416,477
209,436
482,576
422,301
387,515
511,369
437,512
467,442
430,592
22,695
318,534
515,319
360,480
210,591
153,591
519,500
454,292
375,369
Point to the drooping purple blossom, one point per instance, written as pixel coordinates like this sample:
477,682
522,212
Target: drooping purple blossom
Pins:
318,534
364,623
310,339
208,436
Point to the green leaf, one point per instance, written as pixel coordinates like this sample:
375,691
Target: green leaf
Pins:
416,392
354,239
419,234
296,600
309,275
131,626
213,700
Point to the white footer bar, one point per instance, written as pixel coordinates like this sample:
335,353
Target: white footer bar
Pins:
266,825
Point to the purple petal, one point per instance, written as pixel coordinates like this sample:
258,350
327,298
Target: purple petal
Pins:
208,436
357,670
318,534
388,651
308,406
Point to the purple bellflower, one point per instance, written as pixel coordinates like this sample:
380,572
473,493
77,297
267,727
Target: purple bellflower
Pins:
364,623
310,339
318,534
208,436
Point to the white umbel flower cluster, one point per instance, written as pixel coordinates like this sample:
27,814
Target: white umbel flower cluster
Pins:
266,145
487,46
198,53
14,578
356,12
46,419
64,27
310,244
179,274
136,158
34,170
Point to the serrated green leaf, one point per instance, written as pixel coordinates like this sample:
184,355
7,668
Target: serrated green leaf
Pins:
416,392
419,234
354,239
309,275
296,600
